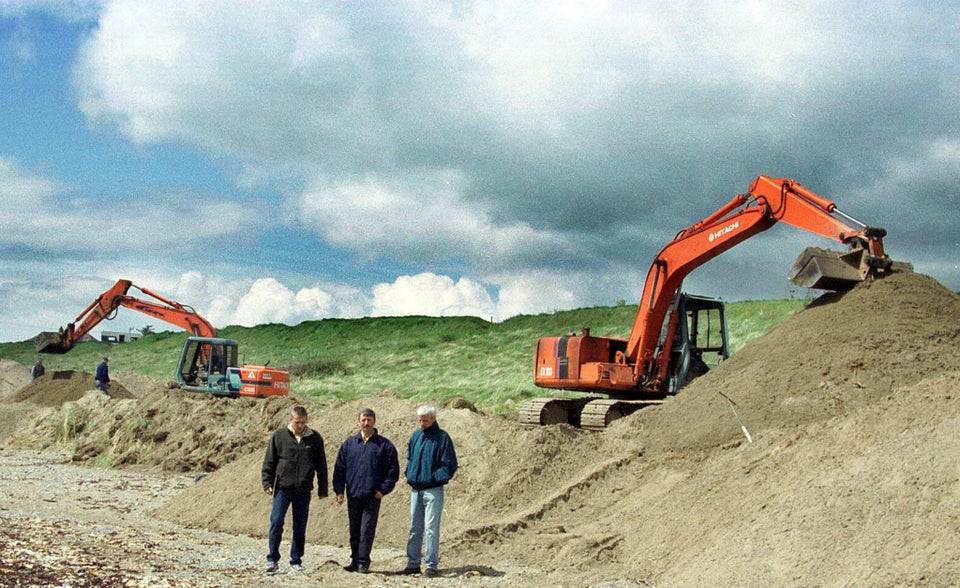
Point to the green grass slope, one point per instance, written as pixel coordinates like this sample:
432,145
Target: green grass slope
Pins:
429,358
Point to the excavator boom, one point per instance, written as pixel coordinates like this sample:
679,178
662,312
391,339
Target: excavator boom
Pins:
107,304
769,201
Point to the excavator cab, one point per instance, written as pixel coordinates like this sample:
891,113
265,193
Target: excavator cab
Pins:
205,364
700,339
209,364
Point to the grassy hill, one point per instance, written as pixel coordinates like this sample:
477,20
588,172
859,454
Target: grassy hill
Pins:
416,357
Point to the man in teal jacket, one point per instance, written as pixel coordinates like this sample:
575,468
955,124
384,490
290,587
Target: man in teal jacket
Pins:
431,463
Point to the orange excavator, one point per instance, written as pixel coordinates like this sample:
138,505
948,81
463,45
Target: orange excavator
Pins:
673,331
207,363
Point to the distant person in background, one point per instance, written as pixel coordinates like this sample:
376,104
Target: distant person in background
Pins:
37,369
366,470
103,375
294,456
431,463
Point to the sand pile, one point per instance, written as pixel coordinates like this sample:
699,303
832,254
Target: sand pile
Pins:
842,353
59,387
14,417
150,424
13,377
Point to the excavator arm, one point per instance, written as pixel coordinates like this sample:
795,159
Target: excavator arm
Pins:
107,304
769,201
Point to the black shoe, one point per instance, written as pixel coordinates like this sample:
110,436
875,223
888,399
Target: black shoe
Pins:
431,573
363,569
351,568
409,571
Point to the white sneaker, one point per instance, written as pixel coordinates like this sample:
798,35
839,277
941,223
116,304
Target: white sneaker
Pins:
271,567
296,568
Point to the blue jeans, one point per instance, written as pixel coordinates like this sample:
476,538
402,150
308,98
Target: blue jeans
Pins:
426,506
282,500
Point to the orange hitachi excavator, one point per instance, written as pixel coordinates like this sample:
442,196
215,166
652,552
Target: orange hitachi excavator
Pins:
207,363
672,330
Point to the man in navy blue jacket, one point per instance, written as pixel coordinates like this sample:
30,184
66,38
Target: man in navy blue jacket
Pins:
366,470
102,377
431,463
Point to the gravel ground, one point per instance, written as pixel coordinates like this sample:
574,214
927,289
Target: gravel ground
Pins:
68,525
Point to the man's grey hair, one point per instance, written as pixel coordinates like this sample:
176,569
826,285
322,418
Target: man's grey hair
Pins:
427,409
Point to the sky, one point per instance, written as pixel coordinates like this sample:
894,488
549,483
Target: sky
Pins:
279,161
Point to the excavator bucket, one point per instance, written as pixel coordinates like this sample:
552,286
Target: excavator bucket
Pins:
827,270
49,342
836,271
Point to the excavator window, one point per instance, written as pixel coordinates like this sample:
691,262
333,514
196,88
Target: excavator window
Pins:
706,331
206,362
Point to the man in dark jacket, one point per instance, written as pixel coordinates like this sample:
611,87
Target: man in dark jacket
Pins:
294,456
431,463
102,377
37,370
367,469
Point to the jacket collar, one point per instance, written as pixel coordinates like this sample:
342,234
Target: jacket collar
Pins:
306,431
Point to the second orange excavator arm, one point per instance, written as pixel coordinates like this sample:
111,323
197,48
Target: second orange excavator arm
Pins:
116,296
769,200
171,312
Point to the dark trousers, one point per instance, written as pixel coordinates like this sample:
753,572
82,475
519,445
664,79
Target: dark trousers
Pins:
363,513
282,500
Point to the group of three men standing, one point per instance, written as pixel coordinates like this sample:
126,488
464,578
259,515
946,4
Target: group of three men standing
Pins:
366,469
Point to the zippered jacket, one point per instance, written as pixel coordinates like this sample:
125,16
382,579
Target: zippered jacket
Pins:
291,465
363,468
431,458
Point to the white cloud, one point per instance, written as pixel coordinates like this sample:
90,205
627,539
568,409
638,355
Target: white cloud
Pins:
40,213
432,295
534,292
419,216
23,190
268,300
262,80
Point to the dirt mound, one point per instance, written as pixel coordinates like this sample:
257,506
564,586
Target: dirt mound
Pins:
13,376
176,431
844,352
60,387
157,426
14,417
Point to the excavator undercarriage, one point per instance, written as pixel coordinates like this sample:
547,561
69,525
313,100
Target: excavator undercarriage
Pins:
593,413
